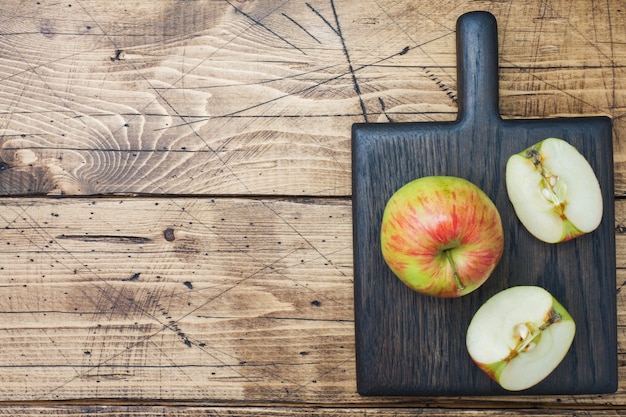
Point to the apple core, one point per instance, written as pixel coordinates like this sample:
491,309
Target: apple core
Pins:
519,336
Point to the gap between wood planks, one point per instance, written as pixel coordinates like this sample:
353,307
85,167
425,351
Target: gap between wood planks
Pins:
504,404
116,196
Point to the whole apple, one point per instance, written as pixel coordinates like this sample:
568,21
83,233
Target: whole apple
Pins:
441,235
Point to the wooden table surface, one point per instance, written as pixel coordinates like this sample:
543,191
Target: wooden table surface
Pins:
176,180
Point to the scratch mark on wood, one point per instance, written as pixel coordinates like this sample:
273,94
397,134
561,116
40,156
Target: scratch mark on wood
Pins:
308,242
161,95
532,74
121,303
314,10
384,110
419,45
257,22
351,71
440,84
612,43
301,27
237,113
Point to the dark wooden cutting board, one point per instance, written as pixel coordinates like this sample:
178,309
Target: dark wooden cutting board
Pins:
411,344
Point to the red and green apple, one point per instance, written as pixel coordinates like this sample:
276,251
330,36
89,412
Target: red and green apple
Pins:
441,235
519,336
554,191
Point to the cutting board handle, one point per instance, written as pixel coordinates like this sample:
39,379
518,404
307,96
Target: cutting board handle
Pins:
477,66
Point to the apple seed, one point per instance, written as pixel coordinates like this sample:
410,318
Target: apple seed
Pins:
527,334
552,193
530,347
522,331
553,180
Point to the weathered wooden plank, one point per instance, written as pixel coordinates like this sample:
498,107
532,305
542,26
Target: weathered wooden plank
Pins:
278,411
212,298
180,97
240,300
127,299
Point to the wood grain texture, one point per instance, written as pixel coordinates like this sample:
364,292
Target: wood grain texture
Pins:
409,344
187,298
196,411
93,310
219,97
275,411
221,283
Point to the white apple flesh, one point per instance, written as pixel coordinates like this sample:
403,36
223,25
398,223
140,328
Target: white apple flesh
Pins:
554,191
519,336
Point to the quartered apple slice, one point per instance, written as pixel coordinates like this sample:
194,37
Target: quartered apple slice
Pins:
519,336
554,191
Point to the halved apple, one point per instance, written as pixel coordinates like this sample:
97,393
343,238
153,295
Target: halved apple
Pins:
519,336
554,191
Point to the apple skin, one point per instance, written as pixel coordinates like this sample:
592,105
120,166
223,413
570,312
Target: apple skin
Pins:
520,365
441,235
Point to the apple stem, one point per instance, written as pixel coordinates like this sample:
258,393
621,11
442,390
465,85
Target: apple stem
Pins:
553,317
457,280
